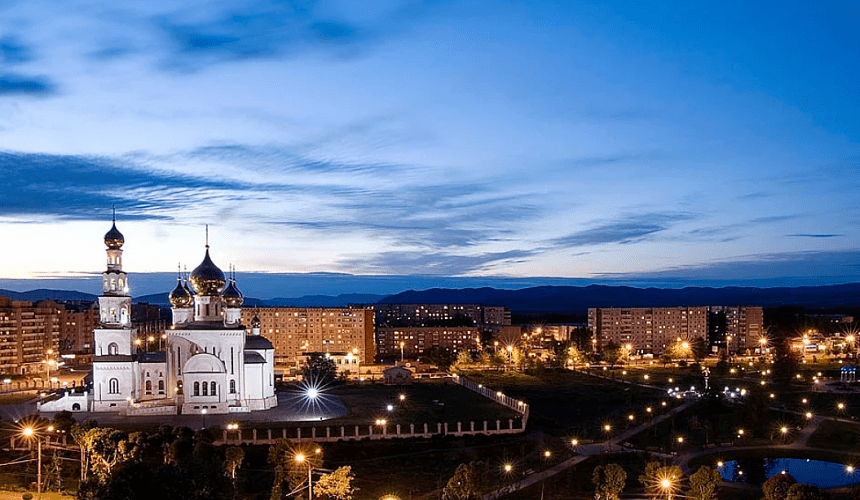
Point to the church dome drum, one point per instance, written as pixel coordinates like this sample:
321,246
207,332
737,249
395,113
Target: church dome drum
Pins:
207,279
114,239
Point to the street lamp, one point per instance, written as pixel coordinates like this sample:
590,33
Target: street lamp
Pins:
29,433
204,417
301,458
666,485
402,345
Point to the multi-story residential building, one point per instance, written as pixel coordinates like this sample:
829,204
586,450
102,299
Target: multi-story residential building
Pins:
29,335
395,342
647,330
76,332
435,314
295,331
743,328
450,326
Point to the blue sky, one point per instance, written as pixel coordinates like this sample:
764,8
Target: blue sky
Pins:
639,142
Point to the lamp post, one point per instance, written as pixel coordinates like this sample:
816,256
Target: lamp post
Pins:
204,417
402,345
29,432
302,458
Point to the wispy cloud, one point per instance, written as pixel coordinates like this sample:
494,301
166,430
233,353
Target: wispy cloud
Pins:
810,235
431,263
624,230
826,266
768,219
13,51
14,84
269,29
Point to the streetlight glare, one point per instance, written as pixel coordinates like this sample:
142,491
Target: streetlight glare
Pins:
313,392
300,457
28,431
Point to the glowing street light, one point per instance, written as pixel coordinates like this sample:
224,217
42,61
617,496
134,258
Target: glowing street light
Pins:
667,486
30,433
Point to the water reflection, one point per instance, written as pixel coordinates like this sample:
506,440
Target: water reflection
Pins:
814,472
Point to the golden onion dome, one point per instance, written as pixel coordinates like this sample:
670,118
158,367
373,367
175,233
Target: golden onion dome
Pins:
207,279
232,296
114,238
180,297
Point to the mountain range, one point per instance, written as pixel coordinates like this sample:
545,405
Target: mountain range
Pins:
543,298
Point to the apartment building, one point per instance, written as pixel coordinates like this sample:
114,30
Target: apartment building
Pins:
742,331
648,330
394,342
435,314
28,332
76,332
295,331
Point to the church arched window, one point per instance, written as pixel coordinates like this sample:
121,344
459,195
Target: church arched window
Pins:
205,389
232,387
148,386
112,348
196,388
113,386
161,386
212,388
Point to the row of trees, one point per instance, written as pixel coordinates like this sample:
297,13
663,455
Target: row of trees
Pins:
177,463
470,481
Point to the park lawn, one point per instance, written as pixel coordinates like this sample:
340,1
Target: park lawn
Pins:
568,404
425,402
836,436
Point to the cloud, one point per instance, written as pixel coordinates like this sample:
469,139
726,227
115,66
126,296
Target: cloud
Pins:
807,235
262,30
785,268
775,218
14,84
625,230
72,187
441,217
430,263
13,51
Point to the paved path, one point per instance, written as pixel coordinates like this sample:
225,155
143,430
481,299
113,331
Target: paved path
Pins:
584,452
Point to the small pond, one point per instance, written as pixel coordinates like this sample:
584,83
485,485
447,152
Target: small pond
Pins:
814,472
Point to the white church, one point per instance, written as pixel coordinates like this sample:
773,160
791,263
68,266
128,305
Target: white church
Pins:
212,364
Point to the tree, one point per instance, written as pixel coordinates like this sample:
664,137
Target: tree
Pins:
233,460
776,488
463,359
319,369
103,448
655,473
609,481
699,348
575,356
440,356
497,361
704,483
468,483
612,354
336,485
806,492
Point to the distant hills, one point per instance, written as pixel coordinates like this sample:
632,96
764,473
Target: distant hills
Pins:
45,294
542,298
578,299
